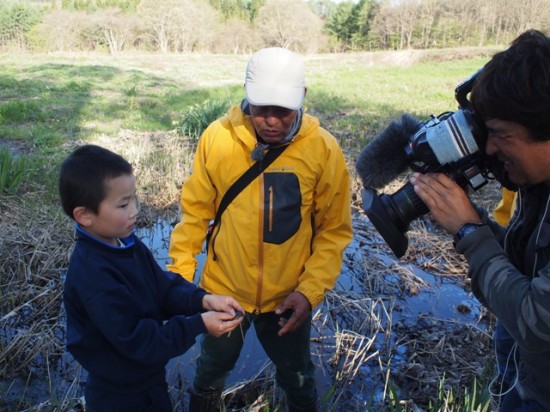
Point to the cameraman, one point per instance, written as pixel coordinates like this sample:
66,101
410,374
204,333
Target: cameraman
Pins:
510,268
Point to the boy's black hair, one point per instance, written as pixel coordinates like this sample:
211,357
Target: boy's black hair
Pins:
83,176
515,85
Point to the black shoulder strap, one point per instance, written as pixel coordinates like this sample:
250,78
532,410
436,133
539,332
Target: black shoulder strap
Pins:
243,181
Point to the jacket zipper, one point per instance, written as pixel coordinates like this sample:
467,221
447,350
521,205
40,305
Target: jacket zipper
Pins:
270,209
260,246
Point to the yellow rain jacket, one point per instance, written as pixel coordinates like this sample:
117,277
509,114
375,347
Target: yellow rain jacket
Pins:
286,231
506,207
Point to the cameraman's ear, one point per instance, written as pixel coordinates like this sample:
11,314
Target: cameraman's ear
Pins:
82,216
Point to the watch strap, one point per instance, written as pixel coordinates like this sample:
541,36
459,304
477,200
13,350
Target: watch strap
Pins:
466,229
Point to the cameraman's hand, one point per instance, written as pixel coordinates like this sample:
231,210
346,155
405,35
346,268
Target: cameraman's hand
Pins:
219,323
449,204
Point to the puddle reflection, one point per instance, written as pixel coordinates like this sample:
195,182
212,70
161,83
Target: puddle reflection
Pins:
359,318
437,297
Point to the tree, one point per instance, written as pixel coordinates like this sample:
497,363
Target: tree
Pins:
116,26
179,25
384,27
236,36
428,15
323,8
195,28
290,24
93,5
341,23
363,13
253,8
62,37
406,14
239,9
159,22
16,20
351,22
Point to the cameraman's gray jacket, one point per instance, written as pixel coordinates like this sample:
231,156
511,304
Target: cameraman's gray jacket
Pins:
510,271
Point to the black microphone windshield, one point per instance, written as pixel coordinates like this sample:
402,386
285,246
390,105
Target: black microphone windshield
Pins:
384,158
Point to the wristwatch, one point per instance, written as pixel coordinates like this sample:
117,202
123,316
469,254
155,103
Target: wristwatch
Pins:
466,229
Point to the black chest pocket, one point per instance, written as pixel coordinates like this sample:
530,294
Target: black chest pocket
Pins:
282,206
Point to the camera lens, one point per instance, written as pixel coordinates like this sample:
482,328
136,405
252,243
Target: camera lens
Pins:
392,214
404,206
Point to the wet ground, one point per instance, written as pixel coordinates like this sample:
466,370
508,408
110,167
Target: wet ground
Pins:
372,328
389,325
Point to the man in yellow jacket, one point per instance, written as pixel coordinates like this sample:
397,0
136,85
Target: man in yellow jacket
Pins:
506,207
279,245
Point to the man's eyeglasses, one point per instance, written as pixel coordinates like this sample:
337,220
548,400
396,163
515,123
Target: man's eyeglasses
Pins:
266,111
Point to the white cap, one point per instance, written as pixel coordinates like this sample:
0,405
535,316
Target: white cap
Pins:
275,77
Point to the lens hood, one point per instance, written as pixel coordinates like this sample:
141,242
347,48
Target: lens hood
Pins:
383,222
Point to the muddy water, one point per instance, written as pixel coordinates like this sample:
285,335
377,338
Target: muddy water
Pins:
366,304
434,297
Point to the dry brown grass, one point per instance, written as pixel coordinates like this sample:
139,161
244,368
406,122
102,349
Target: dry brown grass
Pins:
35,244
36,240
161,161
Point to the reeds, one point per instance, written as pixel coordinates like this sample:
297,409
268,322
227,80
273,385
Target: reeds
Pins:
199,116
356,333
12,169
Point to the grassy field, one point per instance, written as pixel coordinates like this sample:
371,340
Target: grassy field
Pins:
135,105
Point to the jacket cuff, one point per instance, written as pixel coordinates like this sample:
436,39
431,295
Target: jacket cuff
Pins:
197,298
479,245
196,325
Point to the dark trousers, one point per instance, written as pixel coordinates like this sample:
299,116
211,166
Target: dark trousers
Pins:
290,354
154,399
507,356
512,402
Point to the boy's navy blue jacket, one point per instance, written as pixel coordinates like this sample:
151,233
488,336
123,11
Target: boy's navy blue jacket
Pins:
126,317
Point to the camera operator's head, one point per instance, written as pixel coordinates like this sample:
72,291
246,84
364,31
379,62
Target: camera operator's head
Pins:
512,95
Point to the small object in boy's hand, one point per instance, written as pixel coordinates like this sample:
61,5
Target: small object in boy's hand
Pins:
238,314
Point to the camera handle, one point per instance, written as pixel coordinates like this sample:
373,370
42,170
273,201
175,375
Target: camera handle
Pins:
465,87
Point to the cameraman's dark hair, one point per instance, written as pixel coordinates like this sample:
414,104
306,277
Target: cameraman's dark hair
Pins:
83,176
515,85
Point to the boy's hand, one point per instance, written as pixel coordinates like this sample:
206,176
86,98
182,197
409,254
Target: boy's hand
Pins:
221,303
224,314
220,323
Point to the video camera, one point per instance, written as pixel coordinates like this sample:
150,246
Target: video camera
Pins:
452,143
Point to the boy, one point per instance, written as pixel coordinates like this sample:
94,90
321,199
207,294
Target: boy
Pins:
126,317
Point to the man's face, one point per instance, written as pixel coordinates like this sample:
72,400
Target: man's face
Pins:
527,161
272,123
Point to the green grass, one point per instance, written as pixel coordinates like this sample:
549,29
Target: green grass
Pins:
198,117
12,171
50,103
371,96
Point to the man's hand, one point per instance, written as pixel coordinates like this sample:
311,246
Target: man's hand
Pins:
299,308
449,204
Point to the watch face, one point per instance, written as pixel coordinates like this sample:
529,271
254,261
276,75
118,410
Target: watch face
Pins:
467,229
